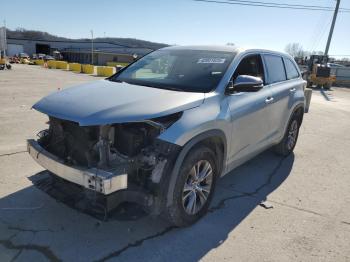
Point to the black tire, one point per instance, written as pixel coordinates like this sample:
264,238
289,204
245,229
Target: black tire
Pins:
177,214
327,86
286,146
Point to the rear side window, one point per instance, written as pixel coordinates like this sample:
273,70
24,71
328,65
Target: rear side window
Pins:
291,70
275,69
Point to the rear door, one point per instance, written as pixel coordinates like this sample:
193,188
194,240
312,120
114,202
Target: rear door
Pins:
281,89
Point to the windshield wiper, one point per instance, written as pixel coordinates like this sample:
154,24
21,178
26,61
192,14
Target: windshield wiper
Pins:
160,87
173,88
116,80
148,85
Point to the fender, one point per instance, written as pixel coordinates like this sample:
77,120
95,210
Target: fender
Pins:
295,108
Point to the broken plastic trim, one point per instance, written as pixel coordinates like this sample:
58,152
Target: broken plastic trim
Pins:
164,122
155,124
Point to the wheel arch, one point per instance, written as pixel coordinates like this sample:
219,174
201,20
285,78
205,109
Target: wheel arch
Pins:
298,109
214,139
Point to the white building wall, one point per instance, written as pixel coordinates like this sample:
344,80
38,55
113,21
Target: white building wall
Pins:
13,49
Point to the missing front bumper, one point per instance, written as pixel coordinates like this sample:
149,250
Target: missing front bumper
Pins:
95,179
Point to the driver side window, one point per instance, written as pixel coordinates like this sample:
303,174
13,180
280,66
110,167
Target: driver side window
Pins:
250,65
152,69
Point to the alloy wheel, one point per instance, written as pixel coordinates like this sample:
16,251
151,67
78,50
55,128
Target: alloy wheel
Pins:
292,134
197,187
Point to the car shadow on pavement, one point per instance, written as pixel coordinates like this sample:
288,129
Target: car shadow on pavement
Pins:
35,226
326,94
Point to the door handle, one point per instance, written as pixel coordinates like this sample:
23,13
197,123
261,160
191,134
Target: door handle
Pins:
269,100
292,90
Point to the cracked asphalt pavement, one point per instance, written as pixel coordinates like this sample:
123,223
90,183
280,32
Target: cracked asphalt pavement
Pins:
270,209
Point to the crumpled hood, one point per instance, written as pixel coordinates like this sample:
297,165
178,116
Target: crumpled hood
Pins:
105,102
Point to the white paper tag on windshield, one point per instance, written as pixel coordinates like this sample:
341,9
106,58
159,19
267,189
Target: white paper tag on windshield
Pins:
211,61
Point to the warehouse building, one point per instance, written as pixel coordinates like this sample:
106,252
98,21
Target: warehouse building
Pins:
76,50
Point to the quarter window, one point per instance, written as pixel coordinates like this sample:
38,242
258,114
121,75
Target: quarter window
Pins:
291,70
275,69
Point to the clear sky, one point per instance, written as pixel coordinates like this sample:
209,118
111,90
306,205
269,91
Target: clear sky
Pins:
184,22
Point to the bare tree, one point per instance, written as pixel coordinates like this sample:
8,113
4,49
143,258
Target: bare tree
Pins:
295,50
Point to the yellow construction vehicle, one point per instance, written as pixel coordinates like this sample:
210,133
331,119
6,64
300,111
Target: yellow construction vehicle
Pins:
4,63
319,73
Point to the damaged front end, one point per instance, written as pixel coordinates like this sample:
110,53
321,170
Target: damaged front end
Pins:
124,160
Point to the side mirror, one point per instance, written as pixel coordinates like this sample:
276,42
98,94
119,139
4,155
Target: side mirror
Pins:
245,83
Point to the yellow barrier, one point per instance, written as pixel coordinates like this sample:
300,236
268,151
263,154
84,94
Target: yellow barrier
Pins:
114,64
105,70
87,69
108,70
39,62
51,64
75,67
61,64
100,70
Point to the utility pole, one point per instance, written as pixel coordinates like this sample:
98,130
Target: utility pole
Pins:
5,41
332,27
92,47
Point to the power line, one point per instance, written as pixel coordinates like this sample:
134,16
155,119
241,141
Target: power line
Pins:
321,34
287,5
252,3
317,30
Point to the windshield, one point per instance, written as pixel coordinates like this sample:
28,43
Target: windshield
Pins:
183,70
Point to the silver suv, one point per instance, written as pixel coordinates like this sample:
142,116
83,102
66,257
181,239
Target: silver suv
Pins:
161,131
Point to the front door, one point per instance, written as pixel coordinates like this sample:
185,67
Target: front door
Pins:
251,127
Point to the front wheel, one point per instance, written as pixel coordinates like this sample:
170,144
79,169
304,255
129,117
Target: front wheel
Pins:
194,187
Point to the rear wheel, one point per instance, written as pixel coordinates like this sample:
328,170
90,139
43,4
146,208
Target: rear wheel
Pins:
286,146
194,187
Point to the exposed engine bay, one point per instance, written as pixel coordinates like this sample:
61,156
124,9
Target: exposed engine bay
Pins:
130,147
